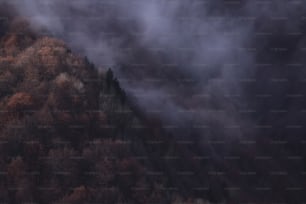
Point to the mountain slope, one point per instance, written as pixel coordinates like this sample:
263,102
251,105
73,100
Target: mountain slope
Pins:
69,134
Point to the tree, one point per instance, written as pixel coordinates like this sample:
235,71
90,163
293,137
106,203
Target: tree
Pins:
79,195
109,78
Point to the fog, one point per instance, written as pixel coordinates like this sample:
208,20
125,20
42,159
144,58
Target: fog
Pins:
189,63
219,71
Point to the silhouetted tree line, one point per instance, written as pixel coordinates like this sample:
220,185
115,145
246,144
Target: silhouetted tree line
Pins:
111,81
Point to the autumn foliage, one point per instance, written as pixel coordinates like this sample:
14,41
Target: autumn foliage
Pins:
67,132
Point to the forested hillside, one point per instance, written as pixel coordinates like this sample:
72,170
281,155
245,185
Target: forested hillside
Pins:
69,134
179,131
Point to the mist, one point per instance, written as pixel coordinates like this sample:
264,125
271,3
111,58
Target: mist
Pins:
217,71
176,58
208,64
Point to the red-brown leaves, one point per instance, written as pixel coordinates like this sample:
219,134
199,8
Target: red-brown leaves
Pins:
20,102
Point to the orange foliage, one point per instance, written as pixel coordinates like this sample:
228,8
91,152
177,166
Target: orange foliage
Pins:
79,195
20,101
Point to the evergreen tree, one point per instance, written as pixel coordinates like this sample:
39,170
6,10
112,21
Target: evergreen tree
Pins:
109,78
